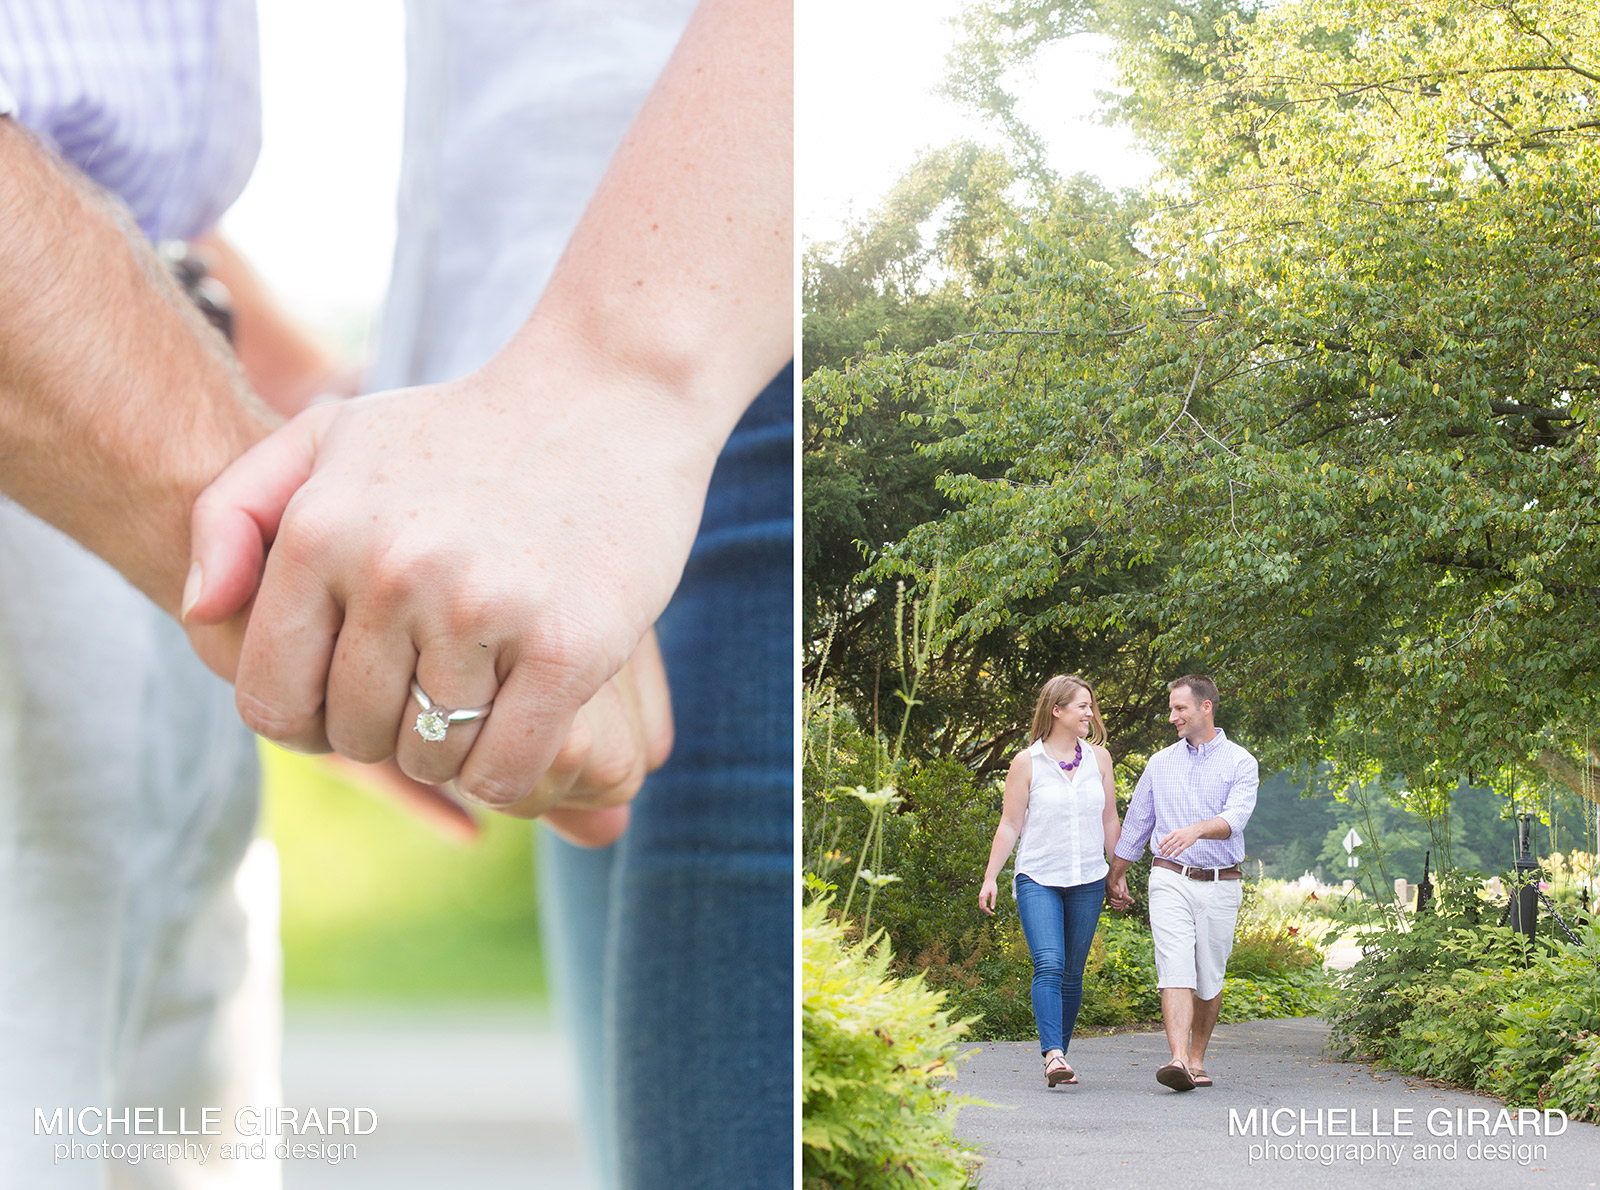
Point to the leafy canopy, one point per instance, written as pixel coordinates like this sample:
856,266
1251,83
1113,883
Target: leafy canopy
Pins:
1347,413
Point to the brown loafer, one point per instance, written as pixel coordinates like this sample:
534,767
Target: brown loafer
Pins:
1175,1075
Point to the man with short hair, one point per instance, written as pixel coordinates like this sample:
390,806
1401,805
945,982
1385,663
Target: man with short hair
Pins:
1193,800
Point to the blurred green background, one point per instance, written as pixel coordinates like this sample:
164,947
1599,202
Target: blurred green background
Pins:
378,907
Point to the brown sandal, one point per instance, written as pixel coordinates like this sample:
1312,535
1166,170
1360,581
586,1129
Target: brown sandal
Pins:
1056,1071
1175,1075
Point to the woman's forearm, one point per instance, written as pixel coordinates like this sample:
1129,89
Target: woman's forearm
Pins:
679,277
1005,838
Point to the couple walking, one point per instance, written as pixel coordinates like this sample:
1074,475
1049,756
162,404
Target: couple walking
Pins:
1191,805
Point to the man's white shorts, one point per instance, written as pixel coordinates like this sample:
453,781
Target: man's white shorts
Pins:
1192,923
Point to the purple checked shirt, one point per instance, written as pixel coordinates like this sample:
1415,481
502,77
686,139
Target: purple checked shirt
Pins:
156,100
1183,785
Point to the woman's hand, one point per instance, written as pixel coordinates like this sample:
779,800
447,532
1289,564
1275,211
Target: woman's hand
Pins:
988,895
507,538
511,536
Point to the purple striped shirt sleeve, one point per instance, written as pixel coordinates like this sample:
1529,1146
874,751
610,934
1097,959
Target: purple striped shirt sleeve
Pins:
1239,799
155,100
1140,819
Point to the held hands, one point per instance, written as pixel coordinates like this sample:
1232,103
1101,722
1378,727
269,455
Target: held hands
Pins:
1117,893
503,539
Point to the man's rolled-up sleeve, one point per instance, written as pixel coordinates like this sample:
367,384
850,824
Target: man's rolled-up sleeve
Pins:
1240,800
1140,820
8,101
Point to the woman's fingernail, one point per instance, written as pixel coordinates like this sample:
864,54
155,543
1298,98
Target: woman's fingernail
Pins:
191,590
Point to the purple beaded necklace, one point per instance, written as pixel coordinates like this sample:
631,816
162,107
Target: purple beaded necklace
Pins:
1077,757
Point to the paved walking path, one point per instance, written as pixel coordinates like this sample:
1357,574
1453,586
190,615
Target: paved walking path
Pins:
1118,1127
475,1098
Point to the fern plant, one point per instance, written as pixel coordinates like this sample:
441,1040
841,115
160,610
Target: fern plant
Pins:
879,1056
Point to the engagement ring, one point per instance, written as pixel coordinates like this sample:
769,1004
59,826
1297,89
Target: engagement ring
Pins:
435,720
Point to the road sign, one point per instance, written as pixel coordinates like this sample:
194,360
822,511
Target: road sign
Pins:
1351,842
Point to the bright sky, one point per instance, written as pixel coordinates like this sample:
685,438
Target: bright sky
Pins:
318,216
317,219
865,105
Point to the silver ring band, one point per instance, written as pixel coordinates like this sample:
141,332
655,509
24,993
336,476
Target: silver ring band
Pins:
434,720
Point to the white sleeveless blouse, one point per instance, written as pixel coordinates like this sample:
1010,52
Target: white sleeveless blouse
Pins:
1063,835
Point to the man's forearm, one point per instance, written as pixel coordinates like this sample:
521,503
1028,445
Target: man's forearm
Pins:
1216,828
118,404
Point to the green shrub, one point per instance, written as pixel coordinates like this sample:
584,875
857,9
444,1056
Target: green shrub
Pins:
1460,998
1449,1034
1576,1086
1305,992
1119,980
1377,993
1268,946
939,841
878,1054
990,984
1555,1002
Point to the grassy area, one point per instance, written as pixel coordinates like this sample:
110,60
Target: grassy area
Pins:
378,907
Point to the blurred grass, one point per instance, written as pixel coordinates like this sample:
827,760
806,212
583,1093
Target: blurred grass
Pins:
376,907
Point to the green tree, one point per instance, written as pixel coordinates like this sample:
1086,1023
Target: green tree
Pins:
1347,413
899,282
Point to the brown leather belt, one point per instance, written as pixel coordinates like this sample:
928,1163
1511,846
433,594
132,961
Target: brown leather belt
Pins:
1232,873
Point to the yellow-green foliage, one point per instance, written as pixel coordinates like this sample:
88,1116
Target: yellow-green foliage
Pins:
376,907
879,1054
1268,946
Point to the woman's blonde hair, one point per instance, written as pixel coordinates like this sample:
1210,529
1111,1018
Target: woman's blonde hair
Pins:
1057,692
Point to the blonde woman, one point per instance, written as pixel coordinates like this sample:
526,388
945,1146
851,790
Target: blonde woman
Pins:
1061,802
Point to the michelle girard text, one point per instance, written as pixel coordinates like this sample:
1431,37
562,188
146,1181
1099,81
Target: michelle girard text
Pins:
1396,1122
205,1121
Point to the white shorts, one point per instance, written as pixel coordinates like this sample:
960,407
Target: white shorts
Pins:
1192,924
138,950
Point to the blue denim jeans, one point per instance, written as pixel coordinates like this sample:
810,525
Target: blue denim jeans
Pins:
1059,924
673,951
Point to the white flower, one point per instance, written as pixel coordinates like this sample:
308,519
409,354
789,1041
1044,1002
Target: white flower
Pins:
876,799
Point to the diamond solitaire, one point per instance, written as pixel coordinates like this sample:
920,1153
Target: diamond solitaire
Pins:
431,725
435,721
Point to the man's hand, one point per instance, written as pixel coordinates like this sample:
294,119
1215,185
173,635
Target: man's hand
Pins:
1178,841
619,736
1117,893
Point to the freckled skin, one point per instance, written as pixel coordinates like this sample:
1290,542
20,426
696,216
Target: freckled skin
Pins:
584,447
